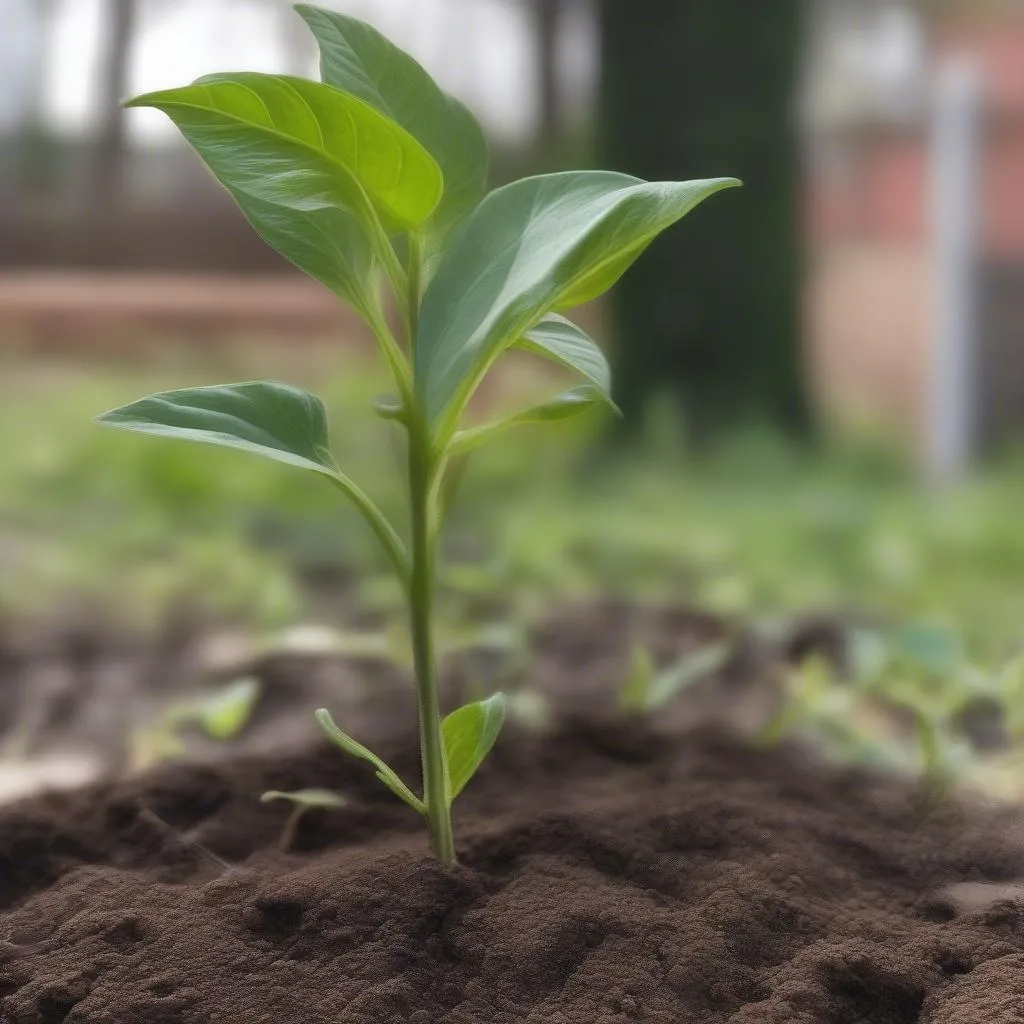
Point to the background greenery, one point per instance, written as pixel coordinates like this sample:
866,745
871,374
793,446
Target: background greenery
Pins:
757,530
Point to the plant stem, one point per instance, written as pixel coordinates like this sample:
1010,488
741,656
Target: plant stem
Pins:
421,601
290,830
414,283
382,529
424,475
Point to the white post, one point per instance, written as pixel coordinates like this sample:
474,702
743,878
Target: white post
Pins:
951,427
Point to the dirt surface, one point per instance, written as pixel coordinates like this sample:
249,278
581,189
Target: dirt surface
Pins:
81,688
608,874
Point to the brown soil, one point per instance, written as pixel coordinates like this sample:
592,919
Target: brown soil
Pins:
608,874
81,685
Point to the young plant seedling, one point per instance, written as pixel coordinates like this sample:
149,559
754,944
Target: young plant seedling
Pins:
303,801
373,182
221,715
648,689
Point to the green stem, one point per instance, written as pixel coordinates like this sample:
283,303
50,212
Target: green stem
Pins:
421,601
393,356
414,277
424,476
377,521
290,830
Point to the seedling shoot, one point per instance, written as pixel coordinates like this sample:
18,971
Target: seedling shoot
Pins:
374,182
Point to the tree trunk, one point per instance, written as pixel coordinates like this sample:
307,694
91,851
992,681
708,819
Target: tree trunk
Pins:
104,178
548,18
698,89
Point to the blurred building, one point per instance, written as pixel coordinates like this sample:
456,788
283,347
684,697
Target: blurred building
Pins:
870,216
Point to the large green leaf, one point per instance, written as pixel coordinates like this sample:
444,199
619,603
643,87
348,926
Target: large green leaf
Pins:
328,244
303,145
561,340
469,733
277,421
357,59
528,249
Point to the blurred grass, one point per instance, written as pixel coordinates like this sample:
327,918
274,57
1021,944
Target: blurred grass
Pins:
131,523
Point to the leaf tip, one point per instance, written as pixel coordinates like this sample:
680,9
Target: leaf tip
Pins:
110,418
146,99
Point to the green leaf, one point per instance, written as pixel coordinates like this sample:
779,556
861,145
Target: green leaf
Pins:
383,772
648,690
277,421
320,175
528,249
933,648
469,734
562,341
680,675
387,407
308,799
224,713
303,145
561,407
329,244
633,696
357,59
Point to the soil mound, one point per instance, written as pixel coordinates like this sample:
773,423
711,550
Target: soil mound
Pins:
608,875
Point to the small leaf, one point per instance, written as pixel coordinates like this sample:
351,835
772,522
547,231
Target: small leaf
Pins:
309,799
383,772
528,249
357,59
562,341
387,407
633,696
469,735
934,648
689,669
561,407
277,421
224,713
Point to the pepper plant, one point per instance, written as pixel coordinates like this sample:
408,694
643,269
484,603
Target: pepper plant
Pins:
374,182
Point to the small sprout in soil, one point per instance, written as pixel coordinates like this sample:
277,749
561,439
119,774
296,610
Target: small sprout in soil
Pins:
648,689
942,759
303,801
374,182
221,715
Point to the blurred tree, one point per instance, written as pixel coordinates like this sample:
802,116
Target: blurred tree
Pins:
105,165
23,70
42,13
548,19
696,89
